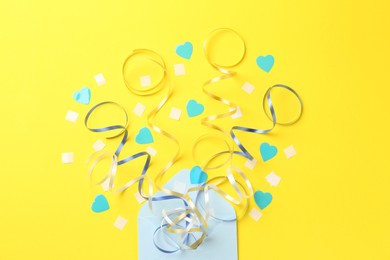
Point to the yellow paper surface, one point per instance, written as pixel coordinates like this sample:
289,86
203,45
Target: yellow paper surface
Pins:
333,198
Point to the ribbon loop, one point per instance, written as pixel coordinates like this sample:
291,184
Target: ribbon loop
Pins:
185,227
267,100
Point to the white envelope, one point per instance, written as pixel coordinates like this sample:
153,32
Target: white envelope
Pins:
221,240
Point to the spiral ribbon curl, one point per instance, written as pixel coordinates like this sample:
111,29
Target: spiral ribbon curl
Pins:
110,176
189,211
185,221
194,221
243,192
267,102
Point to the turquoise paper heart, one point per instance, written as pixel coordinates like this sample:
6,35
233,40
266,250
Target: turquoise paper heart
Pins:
265,62
100,204
197,176
144,136
268,151
83,96
263,199
194,108
184,50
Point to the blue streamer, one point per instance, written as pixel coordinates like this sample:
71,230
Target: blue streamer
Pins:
267,97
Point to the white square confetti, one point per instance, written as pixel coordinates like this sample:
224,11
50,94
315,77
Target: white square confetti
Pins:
238,113
290,152
179,69
98,145
175,113
67,157
71,116
139,198
100,80
250,164
150,150
179,187
139,109
255,214
120,222
106,185
248,88
145,81
273,179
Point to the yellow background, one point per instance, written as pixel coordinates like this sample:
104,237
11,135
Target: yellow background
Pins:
333,199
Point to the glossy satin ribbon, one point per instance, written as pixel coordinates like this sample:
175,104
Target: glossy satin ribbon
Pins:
242,195
189,210
100,155
267,103
186,221
227,74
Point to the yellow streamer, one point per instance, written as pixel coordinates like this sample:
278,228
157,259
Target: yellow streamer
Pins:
157,59
227,74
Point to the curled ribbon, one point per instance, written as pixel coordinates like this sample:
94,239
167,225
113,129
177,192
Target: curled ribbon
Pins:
194,221
267,100
248,192
157,59
111,174
188,213
242,194
186,221
224,69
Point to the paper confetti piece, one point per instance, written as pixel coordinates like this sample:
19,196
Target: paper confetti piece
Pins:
238,113
144,136
82,96
71,116
250,164
197,176
290,152
139,198
175,113
273,179
98,145
248,88
150,150
120,222
100,204
179,69
268,151
184,50
100,80
67,157
255,214
194,108
265,62
262,199
179,187
139,109
145,81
